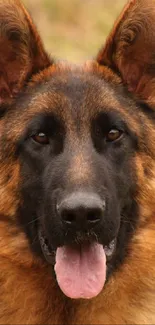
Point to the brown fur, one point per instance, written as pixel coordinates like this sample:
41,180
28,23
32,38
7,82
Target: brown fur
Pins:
133,32
29,294
21,54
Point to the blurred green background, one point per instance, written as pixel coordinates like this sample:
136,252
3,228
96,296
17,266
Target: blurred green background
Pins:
74,29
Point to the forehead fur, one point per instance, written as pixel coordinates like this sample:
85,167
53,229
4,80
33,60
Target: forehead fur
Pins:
71,90
88,67
76,93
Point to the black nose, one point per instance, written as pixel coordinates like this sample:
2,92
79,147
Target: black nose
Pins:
82,210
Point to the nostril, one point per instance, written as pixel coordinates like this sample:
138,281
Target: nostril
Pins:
68,216
94,216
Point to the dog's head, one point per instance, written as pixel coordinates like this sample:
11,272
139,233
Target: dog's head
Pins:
77,145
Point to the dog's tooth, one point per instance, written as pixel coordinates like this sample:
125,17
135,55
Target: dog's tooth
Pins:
109,250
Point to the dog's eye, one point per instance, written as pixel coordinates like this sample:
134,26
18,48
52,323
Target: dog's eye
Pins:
41,138
113,135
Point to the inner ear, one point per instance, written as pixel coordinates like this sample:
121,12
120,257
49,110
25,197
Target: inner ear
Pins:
21,50
130,48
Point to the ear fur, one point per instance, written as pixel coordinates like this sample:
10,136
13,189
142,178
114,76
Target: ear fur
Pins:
130,48
21,49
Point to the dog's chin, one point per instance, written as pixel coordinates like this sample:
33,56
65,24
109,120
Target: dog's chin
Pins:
81,267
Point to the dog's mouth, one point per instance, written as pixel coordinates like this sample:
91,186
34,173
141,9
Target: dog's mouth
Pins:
80,269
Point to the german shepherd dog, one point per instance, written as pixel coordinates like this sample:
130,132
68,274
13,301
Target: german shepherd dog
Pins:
77,176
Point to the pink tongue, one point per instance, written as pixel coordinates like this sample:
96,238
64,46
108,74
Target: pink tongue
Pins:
81,272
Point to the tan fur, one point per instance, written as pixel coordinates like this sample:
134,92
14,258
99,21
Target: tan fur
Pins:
30,296
28,292
21,54
80,169
133,32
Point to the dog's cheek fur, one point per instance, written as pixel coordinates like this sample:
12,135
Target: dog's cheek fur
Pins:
33,276
28,292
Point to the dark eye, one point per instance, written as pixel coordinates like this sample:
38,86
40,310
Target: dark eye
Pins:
113,135
41,138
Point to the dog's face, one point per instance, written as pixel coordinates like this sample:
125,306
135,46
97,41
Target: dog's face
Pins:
76,155
76,135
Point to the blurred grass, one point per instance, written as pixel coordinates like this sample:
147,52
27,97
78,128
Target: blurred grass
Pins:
74,29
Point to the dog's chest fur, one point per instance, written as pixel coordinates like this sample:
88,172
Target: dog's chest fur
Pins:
32,296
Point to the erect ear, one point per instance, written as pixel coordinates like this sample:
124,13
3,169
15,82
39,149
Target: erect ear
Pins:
21,50
130,48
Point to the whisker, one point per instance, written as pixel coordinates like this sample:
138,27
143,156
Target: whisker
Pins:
34,240
127,221
32,221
